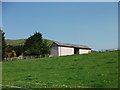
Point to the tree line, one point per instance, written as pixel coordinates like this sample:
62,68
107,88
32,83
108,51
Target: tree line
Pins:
33,46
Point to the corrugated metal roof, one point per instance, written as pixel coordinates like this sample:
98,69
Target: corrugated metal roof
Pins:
72,45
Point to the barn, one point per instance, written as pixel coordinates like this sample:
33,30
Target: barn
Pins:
61,49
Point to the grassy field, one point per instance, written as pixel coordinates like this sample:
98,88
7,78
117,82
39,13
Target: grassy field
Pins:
75,71
21,42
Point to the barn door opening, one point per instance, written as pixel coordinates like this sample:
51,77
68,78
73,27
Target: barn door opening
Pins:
76,50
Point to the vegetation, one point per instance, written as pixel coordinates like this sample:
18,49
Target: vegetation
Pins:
18,45
9,52
45,48
98,69
3,43
15,42
19,50
35,45
0,44
21,42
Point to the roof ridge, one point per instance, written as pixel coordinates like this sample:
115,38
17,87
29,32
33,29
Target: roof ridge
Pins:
72,45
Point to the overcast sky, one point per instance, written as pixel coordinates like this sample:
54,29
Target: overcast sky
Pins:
89,23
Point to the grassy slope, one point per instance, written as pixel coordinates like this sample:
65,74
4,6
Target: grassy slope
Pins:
21,42
88,70
15,42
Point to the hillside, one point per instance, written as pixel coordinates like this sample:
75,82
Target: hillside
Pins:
15,42
21,42
76,71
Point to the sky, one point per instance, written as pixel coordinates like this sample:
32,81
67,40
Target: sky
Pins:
94,24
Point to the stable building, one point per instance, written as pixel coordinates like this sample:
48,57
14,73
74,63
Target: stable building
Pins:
61,49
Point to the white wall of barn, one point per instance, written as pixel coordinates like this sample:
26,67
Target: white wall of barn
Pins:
84,51
65,51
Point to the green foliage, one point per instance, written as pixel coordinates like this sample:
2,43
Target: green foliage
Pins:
35,45
19,49
98,69
18,46
9,52
0,45
3,43
45,48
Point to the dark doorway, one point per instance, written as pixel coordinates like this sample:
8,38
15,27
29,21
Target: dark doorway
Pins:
76,50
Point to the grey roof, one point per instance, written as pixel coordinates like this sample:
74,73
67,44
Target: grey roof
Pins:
72,45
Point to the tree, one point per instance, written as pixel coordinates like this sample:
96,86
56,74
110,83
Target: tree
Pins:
18,49
45,48
9,52
33,44
3,43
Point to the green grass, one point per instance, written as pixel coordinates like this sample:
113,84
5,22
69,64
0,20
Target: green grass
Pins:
75,71
22,41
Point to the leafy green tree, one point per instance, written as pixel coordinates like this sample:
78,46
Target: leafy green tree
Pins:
18,49
3,43
45,48
33,44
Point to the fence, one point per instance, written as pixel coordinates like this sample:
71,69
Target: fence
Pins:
24,57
